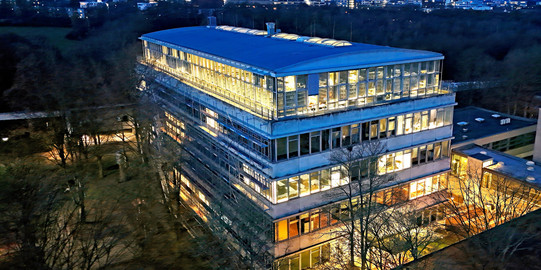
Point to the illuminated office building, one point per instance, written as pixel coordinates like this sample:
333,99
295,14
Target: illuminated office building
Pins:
260,112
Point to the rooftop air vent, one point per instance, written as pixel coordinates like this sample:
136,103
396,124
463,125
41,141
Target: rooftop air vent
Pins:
480,120
496,115
483,152
302,39
462,124
271,28
530,169
464,137
530,178
464,129
530,163
212,21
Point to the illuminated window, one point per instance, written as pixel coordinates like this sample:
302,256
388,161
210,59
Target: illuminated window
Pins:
314,182
325,179
281,190
293,187
335,176
281,230
305,184
293,226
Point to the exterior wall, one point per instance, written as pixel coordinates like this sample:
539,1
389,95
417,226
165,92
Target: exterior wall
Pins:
521,152
298,165
537,147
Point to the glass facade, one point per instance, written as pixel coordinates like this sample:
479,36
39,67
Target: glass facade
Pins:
307,259
244,89
320,218
314,182
218,124
358,87
512,143
327,139
225,164
276,97
305,184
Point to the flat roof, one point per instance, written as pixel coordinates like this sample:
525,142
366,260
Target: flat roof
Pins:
489,125
281,57
505,164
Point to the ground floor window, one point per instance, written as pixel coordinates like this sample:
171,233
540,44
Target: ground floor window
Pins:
306,259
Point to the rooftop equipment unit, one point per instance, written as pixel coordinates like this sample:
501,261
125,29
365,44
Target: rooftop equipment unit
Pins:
271,28
212,21
496,115
480,120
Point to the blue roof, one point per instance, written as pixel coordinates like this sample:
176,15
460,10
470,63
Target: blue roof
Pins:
281,57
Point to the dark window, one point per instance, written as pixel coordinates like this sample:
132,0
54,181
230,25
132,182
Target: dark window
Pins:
305,143
281,149
314,144
301,81
324,140
355,134
430,152
335,138
366,131
422,154
293,146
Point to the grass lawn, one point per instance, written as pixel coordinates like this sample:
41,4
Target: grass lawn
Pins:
55,35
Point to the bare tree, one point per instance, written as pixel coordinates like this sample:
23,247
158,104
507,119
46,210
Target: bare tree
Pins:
358,167
482,199
45,227
401,237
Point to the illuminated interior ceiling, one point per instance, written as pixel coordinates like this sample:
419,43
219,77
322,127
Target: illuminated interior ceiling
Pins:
293,37
243,30
313,40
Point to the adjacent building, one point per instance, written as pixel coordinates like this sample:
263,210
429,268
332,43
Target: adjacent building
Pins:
506,133
260,112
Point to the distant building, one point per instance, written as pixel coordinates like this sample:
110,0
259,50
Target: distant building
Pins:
91,4
145,6
510,134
